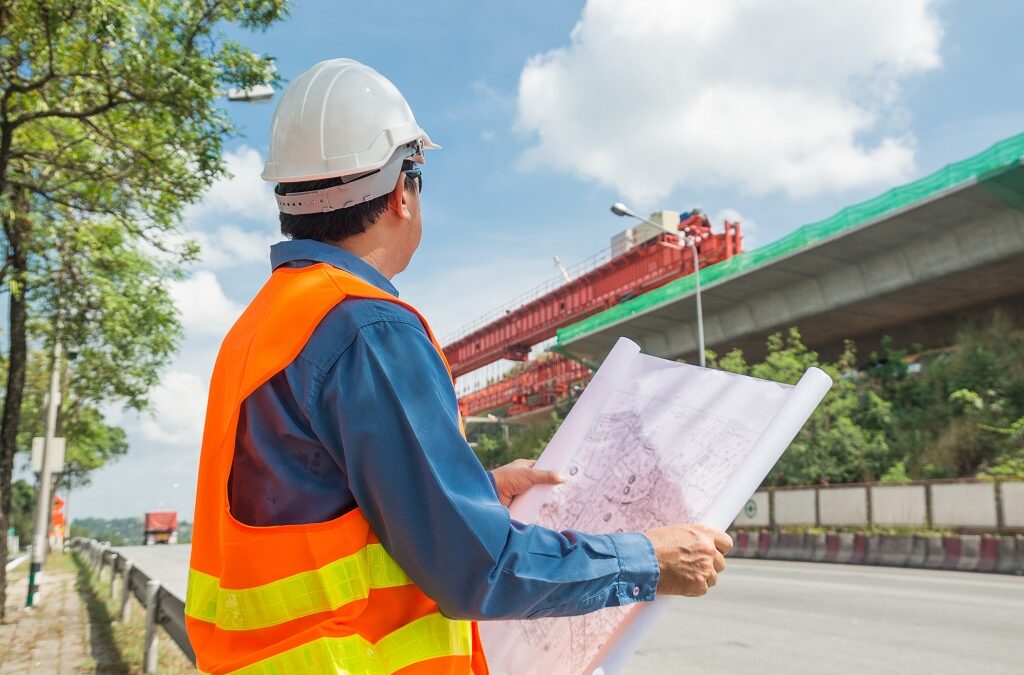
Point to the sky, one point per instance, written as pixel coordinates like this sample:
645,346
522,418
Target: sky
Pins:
777,113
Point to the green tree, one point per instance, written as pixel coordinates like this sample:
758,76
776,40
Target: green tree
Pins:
23,505
107,112
524,440
963,413
837,445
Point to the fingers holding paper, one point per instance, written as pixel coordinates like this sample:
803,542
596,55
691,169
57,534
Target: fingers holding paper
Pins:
690,557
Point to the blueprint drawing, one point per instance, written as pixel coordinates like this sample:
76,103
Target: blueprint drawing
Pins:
651,442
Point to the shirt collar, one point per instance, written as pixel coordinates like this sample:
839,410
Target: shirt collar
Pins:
304,252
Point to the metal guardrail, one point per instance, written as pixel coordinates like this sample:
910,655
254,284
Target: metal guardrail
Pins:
162,607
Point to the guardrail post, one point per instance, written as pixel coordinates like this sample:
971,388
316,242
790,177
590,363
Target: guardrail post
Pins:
151,643
103,561
113,572
126,593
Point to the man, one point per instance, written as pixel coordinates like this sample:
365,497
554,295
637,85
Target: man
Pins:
343,524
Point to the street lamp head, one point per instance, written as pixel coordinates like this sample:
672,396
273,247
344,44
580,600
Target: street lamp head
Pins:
260,93
620,209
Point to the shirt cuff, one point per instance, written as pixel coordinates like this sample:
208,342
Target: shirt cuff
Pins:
638,565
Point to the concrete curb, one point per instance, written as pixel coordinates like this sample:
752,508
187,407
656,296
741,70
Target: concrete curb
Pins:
14,562
965,552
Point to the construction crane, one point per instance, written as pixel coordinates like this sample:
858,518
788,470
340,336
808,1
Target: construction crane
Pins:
640,259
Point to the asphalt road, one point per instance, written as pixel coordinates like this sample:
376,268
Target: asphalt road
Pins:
774,618
770,618
168,563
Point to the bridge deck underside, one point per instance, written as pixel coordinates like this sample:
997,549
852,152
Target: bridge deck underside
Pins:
914,275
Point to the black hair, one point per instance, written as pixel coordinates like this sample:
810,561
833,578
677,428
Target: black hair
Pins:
332,225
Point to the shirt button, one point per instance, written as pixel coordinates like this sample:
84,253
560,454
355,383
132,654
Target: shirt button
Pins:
636,591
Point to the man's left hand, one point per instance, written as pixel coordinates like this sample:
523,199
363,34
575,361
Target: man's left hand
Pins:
518,476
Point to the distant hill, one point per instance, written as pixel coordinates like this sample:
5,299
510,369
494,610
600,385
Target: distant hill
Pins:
121,531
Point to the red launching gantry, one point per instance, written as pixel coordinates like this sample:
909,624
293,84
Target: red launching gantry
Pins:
640,259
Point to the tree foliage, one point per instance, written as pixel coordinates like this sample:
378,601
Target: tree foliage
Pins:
841,442
958,412
108,128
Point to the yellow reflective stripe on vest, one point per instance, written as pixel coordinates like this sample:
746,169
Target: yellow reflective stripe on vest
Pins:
322,590
428,637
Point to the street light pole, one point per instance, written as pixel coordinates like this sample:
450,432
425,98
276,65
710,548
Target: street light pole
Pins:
620,209
43,495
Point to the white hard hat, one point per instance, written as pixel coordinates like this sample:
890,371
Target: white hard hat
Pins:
341,119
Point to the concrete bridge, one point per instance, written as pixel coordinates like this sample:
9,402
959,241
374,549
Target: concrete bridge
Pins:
912,263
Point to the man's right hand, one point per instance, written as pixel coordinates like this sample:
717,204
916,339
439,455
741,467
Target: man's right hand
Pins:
690,557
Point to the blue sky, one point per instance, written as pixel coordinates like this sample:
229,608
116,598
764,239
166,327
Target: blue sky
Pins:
779,112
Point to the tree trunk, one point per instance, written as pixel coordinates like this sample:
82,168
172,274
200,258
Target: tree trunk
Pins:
16,236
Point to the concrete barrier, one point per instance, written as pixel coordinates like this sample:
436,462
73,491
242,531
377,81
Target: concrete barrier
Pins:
1006,555
741,545
936,554
1020,552
892,550
988,558
965,553
950,552
838,547
755,540
860,549
918,552
970,552
790,546
816,542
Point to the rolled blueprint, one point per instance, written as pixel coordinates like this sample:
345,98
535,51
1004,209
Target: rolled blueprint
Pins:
650,442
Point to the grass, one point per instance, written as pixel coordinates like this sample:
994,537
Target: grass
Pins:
117,646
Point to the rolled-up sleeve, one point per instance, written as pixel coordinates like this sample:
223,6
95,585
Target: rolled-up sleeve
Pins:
388,412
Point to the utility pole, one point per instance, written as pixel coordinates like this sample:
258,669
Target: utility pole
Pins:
43,495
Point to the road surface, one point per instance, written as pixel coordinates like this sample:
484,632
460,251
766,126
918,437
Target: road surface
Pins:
773,618
167,562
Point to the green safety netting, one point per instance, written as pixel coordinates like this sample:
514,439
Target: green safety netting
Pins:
991,167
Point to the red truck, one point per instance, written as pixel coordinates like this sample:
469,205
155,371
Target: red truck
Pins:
161,527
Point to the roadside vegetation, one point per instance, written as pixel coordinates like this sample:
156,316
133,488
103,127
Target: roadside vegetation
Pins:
110,126
896,415
118,645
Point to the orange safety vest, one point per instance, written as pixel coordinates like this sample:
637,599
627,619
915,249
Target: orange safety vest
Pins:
312,598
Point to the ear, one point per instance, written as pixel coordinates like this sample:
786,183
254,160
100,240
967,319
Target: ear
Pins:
397,201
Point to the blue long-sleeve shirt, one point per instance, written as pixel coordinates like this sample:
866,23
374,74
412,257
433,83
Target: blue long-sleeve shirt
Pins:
366,416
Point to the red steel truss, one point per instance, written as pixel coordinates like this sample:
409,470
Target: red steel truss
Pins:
539,384
606,281
637,270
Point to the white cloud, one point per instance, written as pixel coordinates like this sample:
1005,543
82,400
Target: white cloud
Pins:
240,193
205,310
231,245
797,97
178,406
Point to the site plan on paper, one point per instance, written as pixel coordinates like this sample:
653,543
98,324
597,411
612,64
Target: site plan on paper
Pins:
650,442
